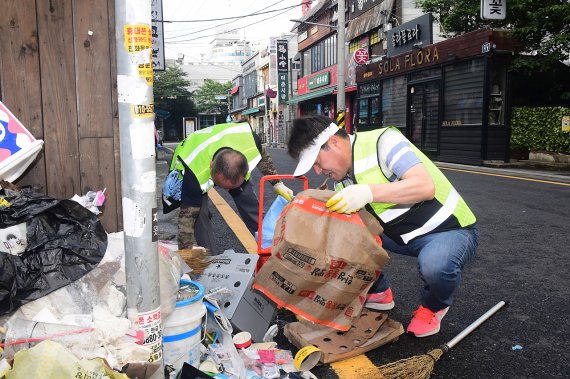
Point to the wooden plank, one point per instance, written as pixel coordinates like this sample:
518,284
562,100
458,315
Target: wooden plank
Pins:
59,99
118,189
234,222
20,72
97,173
93,60
115,113
94,46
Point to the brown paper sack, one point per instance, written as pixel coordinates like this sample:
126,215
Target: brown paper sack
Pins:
322,263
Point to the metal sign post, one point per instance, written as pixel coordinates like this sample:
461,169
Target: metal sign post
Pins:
341,52
133,35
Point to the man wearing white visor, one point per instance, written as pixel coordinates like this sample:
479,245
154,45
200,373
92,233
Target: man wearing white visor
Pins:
421,213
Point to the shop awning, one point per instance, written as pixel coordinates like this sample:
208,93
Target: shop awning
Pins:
369,20
314,9
347,89
250,111
312,95
234,90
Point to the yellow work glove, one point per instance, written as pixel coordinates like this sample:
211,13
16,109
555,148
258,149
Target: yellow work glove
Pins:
283,190
350,199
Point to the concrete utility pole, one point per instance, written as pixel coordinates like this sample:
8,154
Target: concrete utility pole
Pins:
340,96
138,170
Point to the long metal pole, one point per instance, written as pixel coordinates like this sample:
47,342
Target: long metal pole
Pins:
138,170
341,52
266,116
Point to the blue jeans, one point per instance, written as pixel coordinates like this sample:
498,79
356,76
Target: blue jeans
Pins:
441,258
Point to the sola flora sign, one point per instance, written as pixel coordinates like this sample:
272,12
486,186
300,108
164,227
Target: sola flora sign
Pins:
413,59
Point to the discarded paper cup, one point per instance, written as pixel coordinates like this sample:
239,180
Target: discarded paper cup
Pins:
307,358
242,340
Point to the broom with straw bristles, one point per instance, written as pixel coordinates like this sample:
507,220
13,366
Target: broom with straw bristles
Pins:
421,366
198,258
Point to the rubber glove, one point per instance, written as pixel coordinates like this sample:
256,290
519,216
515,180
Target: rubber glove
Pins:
350,199
283,190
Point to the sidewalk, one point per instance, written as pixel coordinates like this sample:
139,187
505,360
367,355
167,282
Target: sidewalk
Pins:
536,169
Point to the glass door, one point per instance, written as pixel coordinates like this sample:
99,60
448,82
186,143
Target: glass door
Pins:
423,115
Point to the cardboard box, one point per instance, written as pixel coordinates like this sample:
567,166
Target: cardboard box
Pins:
336,346
247,310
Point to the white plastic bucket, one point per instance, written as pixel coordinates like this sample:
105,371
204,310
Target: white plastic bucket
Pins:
182,330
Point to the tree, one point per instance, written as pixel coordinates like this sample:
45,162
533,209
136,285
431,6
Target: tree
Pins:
209,97
171,94
541,27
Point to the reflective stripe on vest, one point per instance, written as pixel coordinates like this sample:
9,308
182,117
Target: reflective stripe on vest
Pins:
447,207
198,149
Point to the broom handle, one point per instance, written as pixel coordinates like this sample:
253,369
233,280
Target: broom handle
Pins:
472,327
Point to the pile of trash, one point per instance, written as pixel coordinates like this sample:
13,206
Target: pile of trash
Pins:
63,303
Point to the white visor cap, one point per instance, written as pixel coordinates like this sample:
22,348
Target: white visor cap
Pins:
309,155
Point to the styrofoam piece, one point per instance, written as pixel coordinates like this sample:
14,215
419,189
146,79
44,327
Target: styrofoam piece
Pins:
247,309
14,166
233,272
18,147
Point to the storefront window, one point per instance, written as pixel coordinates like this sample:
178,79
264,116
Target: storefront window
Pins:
497,95
307,62
463,94
320,56
394,102
368,106
323,107
375,111
363,113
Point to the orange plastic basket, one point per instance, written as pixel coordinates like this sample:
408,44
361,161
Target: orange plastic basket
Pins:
265,253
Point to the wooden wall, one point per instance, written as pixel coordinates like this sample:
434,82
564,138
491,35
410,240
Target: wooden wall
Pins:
58,76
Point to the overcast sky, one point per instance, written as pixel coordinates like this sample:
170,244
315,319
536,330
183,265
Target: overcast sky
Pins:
193,38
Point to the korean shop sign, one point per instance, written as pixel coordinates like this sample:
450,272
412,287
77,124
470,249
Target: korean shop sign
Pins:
282,70
493,9
414,33
360,56
320,80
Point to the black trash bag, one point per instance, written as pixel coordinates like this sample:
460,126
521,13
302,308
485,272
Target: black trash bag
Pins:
64,242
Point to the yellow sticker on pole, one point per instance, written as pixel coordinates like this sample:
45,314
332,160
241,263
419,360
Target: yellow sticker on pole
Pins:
142,110
138,37
145,71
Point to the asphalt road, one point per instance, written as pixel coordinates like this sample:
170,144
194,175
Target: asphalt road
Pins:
522,259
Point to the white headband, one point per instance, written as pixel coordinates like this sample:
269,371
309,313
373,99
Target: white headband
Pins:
309,155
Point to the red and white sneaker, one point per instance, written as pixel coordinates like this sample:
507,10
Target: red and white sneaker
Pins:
381,301
425,322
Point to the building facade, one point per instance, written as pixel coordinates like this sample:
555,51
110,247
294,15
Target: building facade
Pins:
451,99
260,93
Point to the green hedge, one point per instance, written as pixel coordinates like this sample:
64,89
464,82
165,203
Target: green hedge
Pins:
540,129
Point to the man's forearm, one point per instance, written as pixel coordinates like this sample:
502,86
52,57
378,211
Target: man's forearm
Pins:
186,221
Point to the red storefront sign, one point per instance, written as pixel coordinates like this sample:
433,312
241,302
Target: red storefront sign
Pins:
360,56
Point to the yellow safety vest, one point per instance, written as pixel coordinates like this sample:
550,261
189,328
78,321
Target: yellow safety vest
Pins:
404,222
198,149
